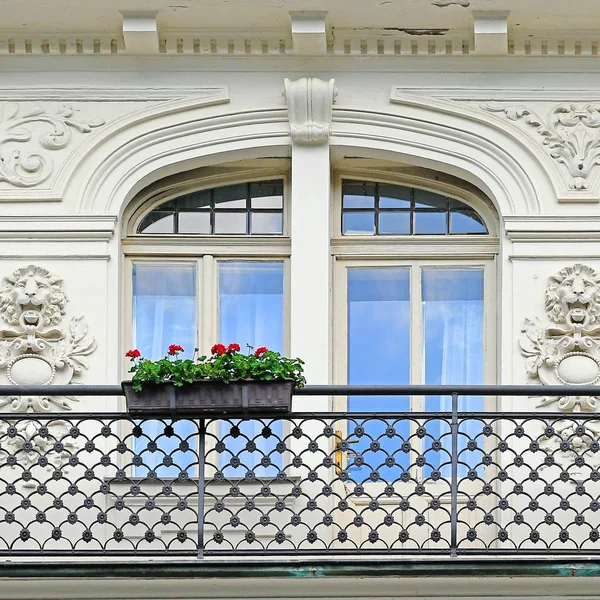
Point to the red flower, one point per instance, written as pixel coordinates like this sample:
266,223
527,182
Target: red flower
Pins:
174,349
233,348
218,349
260,351
133,353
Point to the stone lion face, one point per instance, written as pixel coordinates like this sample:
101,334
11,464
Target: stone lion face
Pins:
572,296
32,293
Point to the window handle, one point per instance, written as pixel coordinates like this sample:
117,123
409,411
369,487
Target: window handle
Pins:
341,447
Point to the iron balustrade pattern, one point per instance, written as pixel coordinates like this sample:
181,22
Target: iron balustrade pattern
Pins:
395,483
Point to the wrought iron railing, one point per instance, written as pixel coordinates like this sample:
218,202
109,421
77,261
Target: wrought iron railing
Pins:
397,483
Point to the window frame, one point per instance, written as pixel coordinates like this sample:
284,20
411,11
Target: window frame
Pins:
476,201
154,196
449,251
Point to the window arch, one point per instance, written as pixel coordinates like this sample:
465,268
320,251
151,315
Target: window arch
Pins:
249,208
377,208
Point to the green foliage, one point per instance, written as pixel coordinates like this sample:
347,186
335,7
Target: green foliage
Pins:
224,364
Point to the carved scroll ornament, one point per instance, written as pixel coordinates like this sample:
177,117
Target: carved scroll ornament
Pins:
36,348
16,121
309,101
570,132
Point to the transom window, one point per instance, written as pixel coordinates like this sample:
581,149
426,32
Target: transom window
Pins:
253,208
372,208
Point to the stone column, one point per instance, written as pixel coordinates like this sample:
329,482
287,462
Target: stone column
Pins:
309,102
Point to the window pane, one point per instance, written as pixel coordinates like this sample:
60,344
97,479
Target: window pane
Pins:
466,221
196,200
394,222
164,312
431,222
378,353
266,222
251,304
358,222
231,196
251,312
194,222
230,222
358,195
267,194
453,350
394,196
157,222
427,199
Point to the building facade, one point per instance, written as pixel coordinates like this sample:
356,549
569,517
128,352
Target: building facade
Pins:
397,192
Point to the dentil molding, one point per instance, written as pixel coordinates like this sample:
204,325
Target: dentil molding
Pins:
309,102
570,132
29,168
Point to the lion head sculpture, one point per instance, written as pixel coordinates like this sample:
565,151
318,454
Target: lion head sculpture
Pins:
572,296
32,290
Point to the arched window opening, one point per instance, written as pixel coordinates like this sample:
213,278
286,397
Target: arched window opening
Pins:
372,208
251,208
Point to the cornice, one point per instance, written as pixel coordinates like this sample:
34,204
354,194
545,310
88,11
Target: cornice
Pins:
112,93
57,227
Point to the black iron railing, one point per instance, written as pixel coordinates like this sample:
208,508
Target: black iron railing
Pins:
447,483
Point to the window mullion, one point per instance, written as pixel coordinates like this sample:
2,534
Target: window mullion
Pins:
417,403
208,304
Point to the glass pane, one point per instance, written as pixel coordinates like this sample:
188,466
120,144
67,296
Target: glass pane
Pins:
230,222
267,194
358,195
164,312
394,222
378,353
426,199
453,349
394,196
157,222
194,222
196,200
467,221
231,196
266,222
431,222
251,312
358,222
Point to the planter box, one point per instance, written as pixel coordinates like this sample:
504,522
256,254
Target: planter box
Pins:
209,397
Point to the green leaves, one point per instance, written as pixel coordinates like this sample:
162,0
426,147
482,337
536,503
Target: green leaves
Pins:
229,366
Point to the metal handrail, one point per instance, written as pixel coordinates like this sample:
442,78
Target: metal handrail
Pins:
336,390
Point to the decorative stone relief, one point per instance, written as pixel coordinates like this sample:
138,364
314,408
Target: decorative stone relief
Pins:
570,132
310,102
35,347
568,352
16,120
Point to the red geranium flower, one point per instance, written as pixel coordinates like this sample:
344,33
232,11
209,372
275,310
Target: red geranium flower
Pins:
133,353
218,349
174,349
260,351
233,348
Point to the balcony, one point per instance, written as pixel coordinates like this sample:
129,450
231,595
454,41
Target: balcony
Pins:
337,484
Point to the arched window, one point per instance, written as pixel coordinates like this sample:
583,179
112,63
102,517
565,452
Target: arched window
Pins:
372,208
252,208
414,303
208,263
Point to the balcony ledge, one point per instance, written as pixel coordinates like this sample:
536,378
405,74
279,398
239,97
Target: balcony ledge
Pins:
503,577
